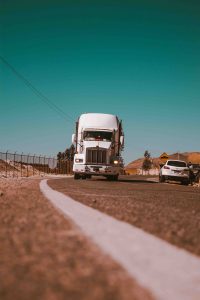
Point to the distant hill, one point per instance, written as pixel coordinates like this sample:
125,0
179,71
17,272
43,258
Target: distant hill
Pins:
193,157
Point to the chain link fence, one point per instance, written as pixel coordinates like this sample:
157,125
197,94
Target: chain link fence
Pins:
25,165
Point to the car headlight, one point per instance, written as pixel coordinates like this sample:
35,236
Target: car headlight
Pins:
116,162
78,160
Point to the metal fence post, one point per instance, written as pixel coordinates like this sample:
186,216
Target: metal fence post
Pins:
56,166
44,166
33,164
39,165
21,162
27,163
48,169
6,163
14,164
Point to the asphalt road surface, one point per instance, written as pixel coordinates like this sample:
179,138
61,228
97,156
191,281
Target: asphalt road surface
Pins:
43,255
169,211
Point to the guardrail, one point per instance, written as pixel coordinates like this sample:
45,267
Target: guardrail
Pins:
26,165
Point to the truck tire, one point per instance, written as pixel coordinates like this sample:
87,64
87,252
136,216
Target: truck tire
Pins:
112,177
115,177
76,176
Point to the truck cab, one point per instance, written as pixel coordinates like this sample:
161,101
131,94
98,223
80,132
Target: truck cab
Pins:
98,143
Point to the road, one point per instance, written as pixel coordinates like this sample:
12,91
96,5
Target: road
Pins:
168,211
134,249
43,255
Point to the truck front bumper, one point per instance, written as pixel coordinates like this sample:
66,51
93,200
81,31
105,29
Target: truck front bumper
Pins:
96,169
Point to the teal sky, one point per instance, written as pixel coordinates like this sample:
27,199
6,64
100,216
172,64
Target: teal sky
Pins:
138,59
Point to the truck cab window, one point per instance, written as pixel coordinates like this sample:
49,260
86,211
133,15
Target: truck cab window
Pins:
97,136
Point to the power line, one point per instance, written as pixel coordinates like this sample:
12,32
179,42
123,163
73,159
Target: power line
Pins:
52,105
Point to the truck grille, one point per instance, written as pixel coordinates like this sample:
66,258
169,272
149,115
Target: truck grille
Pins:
96,156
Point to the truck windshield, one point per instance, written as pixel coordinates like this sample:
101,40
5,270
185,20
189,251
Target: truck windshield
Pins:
97,136
176,163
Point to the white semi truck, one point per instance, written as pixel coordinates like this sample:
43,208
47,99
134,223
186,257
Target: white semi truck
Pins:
98,141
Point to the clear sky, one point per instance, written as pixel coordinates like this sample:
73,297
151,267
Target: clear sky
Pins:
138,59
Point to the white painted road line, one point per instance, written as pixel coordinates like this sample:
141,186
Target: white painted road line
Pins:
168,272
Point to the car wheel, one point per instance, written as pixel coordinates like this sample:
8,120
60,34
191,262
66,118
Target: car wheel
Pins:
185,182
161,178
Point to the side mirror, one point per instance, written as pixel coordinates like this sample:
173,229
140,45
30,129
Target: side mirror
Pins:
122,140
73,138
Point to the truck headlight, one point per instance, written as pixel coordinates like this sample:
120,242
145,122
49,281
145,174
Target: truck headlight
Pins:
78,160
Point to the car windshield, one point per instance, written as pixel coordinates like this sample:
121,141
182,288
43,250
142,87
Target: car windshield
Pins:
97,136
176,163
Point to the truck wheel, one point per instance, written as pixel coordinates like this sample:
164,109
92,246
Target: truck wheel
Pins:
115,177
76,176
112,177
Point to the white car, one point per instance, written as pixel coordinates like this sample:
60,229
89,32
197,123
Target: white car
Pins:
175,170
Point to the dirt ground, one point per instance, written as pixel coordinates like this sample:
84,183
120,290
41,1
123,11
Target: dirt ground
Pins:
169,211
44,256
